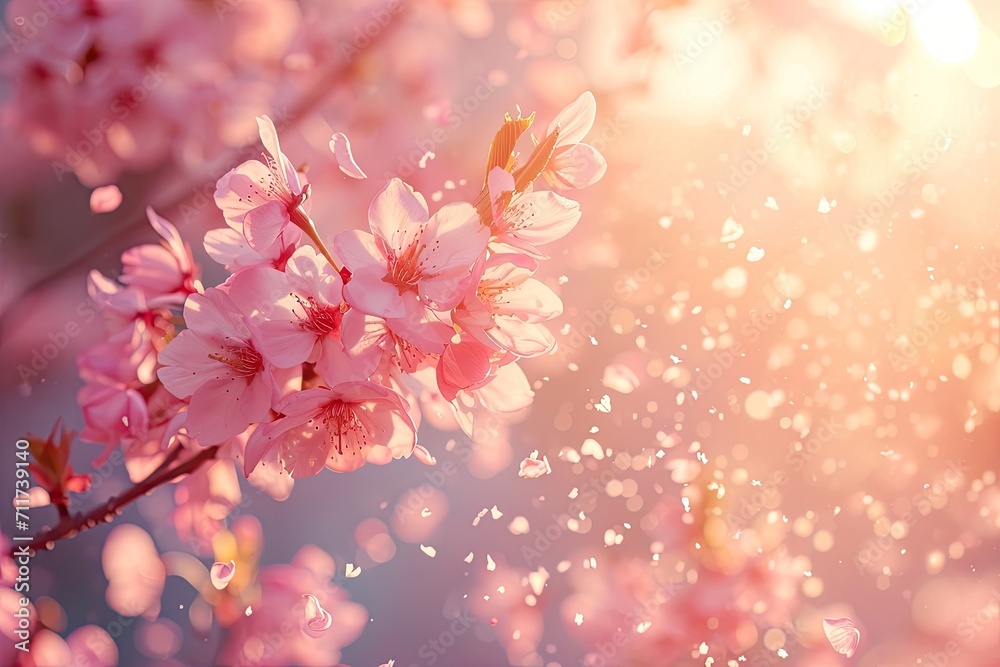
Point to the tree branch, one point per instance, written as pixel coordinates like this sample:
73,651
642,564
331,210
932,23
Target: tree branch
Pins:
106,512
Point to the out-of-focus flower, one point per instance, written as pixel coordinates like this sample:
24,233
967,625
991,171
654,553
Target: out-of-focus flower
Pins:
299,618
135,573
105,199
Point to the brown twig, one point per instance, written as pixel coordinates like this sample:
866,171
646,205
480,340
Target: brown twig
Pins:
106,512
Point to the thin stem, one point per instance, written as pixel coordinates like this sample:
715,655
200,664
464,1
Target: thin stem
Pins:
305,223
172,455
106,512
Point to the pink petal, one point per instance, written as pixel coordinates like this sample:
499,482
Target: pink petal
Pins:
551,217
264,224
341,148
421,454
269,138
318,620
396,216
842,635
575,166
106,199
222,574
575,121
499,181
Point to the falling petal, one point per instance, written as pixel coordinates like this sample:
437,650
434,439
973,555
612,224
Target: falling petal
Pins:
341,148
731,231
843,636
318,620
222,574
106,199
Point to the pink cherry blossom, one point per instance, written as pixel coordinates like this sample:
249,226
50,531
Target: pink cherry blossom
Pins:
506,391
217,364
203,499
165,274
522,221
408,342
266,197
842,635
410,255
532,467
505,308
262,196
228,247
298,313
340,427
574,164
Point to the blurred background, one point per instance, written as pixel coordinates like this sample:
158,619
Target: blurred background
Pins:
776,393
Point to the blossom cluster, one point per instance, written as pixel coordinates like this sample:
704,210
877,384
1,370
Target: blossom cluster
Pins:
307,357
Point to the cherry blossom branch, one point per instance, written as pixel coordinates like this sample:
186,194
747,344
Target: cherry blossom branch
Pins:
306,105
71,526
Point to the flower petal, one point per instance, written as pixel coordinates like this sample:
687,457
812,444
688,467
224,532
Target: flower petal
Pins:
341,148
105,199
842,635
222,574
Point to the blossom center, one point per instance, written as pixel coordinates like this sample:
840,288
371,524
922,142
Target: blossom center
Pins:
243,359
